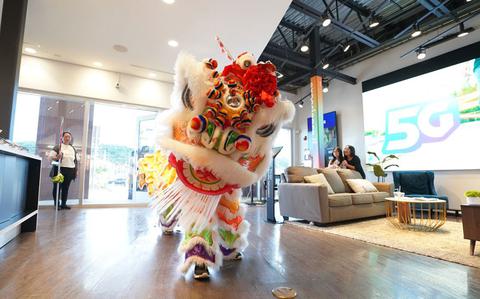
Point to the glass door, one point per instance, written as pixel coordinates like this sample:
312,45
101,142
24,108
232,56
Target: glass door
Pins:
39,121
119,135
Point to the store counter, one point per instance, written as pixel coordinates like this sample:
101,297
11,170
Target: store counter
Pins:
19,190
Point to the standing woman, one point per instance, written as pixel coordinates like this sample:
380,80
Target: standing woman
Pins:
337,158
67,155
352,161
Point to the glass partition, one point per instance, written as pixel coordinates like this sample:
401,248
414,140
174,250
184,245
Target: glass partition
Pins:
38,124
118,137
115,136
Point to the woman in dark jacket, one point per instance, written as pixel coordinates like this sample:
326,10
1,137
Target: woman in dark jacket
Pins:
352,161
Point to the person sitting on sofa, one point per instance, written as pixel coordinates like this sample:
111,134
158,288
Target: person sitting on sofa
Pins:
337,158
352,161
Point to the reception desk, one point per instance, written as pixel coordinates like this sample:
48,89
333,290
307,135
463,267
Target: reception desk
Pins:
19,186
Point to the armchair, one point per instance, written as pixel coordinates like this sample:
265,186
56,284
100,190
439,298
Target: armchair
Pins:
417,184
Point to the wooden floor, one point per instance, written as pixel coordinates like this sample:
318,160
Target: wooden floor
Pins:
119,253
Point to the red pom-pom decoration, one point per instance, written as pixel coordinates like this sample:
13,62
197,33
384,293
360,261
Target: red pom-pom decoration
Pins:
261,81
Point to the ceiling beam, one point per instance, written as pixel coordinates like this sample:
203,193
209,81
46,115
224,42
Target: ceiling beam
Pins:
291,79
312,12
356,7
430,7
303,62
292,26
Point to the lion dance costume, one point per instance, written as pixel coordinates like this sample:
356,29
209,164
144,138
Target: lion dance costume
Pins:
216,139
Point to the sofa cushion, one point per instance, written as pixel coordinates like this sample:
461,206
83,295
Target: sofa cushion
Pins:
362,198
319,179
295,174
339,200
379,196
361,186
334,180
347,174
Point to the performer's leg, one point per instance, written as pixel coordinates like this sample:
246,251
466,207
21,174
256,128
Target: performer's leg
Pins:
232,227
165,223
201,249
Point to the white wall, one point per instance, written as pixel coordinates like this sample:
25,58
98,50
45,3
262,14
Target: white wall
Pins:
346,99
70,79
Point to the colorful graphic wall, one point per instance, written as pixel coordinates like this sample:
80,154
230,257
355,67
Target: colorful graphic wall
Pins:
430,121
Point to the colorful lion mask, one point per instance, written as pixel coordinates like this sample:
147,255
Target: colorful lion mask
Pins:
216,138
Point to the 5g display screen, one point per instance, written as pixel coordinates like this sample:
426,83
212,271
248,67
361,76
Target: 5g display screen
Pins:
431,122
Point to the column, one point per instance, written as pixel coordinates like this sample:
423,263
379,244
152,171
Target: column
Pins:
11,41
318,143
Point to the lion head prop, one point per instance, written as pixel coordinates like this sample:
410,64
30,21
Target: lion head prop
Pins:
218,135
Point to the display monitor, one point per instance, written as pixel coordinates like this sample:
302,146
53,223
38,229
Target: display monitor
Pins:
431,121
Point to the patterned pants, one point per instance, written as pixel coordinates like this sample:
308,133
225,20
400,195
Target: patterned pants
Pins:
224,237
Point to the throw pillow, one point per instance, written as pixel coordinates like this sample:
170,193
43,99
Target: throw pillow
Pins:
295,174
361,186
347,174
334,180
319,179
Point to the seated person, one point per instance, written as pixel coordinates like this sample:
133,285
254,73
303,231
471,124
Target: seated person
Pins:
337,158
352,161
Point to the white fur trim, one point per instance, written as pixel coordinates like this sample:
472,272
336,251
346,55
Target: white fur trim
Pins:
222,166
198,260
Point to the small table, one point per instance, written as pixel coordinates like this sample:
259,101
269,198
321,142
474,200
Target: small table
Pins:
471,224
416,214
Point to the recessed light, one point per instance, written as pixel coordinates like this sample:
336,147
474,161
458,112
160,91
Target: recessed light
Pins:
152,75
173,43
30,50
304,48
421,53
97,64
168,1
374,22
416,31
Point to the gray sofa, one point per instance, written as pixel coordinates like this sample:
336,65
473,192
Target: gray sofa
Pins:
313,203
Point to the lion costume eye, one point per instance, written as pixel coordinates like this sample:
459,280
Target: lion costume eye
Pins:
266,130
187,98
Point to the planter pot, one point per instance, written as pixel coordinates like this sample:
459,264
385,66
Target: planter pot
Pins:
473,200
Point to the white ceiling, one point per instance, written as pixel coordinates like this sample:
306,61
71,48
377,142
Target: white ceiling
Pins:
85,31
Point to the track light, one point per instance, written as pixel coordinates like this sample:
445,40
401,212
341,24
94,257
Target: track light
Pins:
325,65
346,48
416,31
278,74
304,48
326,21
421,53
325,86
374,22
300,104
463,32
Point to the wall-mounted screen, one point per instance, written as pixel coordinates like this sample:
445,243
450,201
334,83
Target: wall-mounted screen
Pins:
431,121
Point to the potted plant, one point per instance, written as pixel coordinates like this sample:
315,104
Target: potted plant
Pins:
379,167
473,197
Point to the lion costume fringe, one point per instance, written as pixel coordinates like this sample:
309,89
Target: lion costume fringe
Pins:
216,139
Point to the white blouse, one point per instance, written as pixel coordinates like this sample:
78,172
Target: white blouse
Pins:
68,159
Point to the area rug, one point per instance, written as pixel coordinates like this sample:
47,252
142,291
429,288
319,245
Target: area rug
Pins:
447,243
